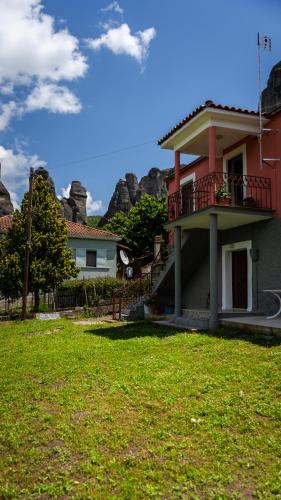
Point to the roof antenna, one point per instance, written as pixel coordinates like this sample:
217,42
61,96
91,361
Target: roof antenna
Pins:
264,42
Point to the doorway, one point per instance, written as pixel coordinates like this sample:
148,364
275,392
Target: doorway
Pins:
237,276
239,279
235,179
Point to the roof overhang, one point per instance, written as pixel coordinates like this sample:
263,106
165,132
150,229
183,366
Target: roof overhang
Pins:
89,237
231,127
228,218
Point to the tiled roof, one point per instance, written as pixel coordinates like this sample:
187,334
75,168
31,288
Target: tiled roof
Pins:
6,223
74,230
207,104
80,231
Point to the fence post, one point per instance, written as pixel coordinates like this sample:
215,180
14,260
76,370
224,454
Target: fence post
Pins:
120,307
113,306
85,292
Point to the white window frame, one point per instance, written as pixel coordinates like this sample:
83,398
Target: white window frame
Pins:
186,180
227,250
242,149
232,154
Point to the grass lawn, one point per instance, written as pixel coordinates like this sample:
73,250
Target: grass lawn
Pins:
137,411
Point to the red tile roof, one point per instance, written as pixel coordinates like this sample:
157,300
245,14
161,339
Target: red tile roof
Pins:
6,223
74,230
207,104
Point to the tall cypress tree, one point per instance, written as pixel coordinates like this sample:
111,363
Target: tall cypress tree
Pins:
50,260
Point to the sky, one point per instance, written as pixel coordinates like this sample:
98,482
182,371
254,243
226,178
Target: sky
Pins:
87,87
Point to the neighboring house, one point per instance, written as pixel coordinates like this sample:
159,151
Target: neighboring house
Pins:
227,250
94,250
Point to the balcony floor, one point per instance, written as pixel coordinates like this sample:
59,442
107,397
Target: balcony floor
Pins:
228,217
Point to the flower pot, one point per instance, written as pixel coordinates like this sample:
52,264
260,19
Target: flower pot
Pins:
224,201
150,311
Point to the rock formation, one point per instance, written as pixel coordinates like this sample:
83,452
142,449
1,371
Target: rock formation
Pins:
153,183
127,192
45,174
74,207
271,95
6,206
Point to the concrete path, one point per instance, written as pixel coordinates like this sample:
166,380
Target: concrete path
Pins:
255,323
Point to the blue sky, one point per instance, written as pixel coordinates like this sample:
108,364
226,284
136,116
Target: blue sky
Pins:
85,93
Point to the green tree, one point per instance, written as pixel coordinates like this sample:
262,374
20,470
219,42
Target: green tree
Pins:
50,260
93,220
144,221
119,224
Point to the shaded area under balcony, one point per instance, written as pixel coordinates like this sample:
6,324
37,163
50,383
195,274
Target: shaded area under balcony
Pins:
237,199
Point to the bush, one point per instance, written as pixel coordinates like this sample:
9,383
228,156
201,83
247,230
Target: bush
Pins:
103,287
90,292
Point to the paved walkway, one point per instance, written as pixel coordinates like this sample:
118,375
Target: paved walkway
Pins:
255,323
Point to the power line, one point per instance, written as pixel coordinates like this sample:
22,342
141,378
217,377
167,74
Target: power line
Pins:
102,155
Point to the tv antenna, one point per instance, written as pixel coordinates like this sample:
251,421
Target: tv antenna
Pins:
264,42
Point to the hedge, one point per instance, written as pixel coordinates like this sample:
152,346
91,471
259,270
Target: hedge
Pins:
86,292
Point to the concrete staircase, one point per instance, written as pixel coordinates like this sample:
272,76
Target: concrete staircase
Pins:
134,311
199,318
195,246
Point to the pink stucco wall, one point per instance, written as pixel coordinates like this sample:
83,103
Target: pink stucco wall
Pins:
271,149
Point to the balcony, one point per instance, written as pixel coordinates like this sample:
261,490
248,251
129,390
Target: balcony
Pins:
245,193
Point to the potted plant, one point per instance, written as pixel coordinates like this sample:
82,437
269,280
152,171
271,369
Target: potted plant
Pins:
151,305
223,196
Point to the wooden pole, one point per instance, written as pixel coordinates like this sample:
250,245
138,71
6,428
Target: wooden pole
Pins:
27,246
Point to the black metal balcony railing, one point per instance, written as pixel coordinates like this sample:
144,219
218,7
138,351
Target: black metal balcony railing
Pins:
247,191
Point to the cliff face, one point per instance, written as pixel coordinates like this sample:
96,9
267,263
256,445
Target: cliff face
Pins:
127,192
271,95
6,206
74,207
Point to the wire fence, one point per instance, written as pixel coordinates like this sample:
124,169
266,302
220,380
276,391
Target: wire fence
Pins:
81,299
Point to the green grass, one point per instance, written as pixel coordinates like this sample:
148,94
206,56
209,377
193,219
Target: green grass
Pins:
137,411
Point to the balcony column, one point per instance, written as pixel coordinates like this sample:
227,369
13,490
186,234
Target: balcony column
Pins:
213,323
177,170
177,271
212,148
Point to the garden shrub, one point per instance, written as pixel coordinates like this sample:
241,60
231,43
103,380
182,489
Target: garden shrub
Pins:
90,292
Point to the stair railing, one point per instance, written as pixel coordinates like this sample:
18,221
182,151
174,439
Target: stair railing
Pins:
130,294
133,291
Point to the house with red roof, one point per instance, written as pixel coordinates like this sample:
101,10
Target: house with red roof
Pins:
94,250
224,212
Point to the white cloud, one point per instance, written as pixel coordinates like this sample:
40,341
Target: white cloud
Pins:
15,170
121,41
31,47
34,58
54,98
7,88
8,110
65,192
115,7
92,205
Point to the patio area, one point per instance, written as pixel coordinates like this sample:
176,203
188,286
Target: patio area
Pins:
255,324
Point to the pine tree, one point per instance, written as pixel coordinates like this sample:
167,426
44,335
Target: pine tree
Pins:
50,260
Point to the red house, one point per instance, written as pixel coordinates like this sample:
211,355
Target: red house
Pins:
225,210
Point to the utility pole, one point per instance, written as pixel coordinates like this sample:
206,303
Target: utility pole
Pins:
27,246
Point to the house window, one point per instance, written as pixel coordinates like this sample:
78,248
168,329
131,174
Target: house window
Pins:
91,258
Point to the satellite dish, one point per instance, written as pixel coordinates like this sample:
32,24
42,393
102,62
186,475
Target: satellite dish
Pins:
124,257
